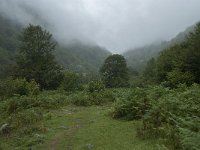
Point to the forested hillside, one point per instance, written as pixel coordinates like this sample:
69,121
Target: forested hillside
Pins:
178,63
81,57
77,56
57,94
8,41
138,58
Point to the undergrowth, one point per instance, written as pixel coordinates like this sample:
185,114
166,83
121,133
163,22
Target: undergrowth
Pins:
170,114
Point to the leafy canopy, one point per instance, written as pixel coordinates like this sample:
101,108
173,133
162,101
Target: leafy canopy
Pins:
35,59
114,72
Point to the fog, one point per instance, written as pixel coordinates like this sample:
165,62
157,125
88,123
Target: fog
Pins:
115,24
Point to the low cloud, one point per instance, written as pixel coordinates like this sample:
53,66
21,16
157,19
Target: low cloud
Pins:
115,24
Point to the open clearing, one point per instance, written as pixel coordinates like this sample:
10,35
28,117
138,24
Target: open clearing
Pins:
77,128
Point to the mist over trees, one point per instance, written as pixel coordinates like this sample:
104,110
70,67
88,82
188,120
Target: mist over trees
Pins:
137,58
49,87
178,63
79,57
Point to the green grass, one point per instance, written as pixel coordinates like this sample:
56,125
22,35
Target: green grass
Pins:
82,128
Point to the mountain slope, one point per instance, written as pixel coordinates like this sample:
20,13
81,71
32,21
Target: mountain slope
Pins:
76,56
137,58
9,32
81,57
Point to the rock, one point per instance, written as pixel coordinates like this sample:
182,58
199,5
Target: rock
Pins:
5,129
63,127
90,146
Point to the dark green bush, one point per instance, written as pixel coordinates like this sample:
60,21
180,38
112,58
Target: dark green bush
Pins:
25,113
25,117
133,106
175,117
94,98
20,103
80,99
15,104
172,115
12,87
95,86
71,82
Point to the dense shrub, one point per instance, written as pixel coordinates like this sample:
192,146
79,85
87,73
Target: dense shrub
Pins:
87,99
130,107
95,86
25,113
173,115
80,99
25,117
179,110
71,82
12,87
137,103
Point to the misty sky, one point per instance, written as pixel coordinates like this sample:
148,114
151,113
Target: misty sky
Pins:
115,24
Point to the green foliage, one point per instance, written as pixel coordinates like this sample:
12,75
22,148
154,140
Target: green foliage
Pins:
114,72
25,117
36,61
11,87
138,58
9,31
95,98
82,58
79,57
71,82
178,110
172,115
177,77
136,104
188,139
80,99
24,114
178,63
95,86
149,73
130,107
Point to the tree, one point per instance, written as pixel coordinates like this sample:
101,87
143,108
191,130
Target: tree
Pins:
192,60
149,73
35,60
114,72
71,82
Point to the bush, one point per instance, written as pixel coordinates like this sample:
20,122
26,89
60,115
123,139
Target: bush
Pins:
95,86
133,106
15,104
24,113
71,82
175,117
12,87
25,117
88,99
80,99
44,100
172,115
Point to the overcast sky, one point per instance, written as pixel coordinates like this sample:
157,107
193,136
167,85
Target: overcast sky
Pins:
115,24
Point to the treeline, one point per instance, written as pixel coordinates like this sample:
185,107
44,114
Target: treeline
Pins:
138,57
179,64
166,96
8,43
81,58
37,83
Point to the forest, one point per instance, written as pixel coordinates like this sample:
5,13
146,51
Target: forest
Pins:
81,96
